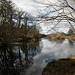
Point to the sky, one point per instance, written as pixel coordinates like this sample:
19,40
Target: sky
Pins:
32,7
27,5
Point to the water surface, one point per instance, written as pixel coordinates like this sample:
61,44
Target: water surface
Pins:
31,58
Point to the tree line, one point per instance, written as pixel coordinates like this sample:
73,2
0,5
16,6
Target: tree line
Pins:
14,23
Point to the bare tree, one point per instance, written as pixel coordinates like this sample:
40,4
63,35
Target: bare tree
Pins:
59,12
20,14
6,20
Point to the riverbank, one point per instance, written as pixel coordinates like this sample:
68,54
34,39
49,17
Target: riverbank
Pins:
60,37
23,39
31,38
60,67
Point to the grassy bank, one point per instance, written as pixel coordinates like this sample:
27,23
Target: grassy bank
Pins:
60,67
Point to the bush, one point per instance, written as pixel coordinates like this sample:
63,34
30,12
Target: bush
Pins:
70,32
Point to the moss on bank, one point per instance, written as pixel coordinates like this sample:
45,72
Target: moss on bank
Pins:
60,67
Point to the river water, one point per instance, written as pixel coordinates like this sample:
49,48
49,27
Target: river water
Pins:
32,57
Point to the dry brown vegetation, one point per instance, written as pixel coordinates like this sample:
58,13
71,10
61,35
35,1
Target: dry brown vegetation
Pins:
60,37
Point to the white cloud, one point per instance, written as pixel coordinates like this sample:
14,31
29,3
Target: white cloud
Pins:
30,6
26,5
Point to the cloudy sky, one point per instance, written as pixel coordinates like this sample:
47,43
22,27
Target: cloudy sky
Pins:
32,7
27,5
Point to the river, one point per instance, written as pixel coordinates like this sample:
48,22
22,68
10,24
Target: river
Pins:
32,57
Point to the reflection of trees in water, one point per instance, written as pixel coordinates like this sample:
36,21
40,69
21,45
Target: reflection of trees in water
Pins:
58,40
26,62
70,43
11,64
7,62
17,62
33,48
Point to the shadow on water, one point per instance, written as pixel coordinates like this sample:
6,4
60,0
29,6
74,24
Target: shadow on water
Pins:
16,59
7,61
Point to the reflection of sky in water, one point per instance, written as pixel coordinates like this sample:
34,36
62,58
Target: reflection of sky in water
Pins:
38,57
50,51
